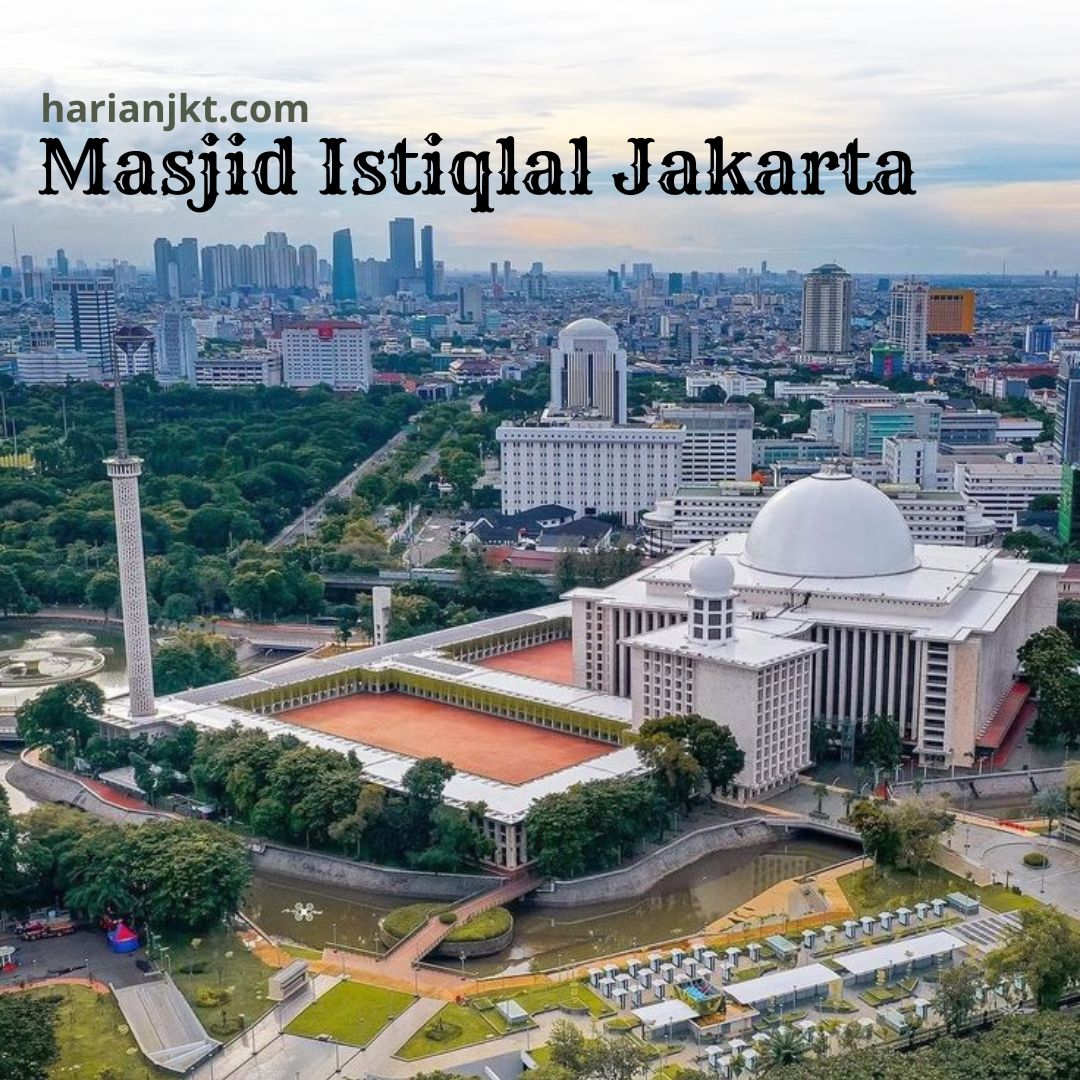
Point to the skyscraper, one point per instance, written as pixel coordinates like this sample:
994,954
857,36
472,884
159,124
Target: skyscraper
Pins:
588,371
1067,428
84,318
344,287
427,259
909,303
176,268
308,267
402,250
61,263
826,310
177,347
124,471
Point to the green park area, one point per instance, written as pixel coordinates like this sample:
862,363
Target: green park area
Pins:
352,1013
574,997
483,926
91,1036
451,1028
875,889
219,977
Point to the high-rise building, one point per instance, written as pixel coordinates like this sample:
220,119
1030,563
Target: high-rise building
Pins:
1039,339
427,260
335,353
1067,428
886,361
344,286
177,347
535,282
828,292
494,274
61,263
176,268
909,303
717,444
402,250
951,312
588,371
910,460
84,318
471,304
307,264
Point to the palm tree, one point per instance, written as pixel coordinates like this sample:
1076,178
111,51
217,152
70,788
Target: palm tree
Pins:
786,1047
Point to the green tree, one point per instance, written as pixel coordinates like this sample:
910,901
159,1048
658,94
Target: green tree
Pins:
192,658
879,836
62,717
103,591
28,1046
712,746
919,825
13,597
1045,951
10,874
957,994
786,1047
676,770
424,783
880,745
178,608
1051,803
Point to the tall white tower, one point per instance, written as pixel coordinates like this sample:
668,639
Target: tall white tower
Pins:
712,600
124,471
588,371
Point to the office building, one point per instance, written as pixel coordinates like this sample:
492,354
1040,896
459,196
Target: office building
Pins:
61,263
969,427
52,367
344,283
337,354
402,251
951,313
717,444
471,304
307,267
1039,339
252,367
1006,488
709,512
828,294
176,268
886,361
910,460
588,372
427,261
590,467
84,319
909,303
1067,426
177,347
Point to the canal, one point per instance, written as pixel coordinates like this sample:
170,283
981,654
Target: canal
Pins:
680,904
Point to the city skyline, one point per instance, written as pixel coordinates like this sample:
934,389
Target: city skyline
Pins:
984,197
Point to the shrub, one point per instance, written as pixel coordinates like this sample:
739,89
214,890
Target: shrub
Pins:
403,921
194,967
211,997
1036,859
482,927
224,1028
448,918
442,1031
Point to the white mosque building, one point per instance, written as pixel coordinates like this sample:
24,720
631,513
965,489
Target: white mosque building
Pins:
837,614
825,609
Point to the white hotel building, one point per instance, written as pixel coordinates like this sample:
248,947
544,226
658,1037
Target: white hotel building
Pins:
335,353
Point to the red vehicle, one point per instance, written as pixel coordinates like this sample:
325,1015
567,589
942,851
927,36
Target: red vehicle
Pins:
46,924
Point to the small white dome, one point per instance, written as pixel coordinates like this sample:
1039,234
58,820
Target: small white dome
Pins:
588,328
830,525
712,575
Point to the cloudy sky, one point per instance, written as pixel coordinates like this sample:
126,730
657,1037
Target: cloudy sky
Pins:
984,97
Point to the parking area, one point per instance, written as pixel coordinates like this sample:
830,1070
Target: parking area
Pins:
79,954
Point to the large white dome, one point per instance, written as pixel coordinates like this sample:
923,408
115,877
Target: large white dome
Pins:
830,525
588,328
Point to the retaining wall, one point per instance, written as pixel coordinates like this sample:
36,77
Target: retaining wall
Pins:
641,876
332,870
44,785
986,786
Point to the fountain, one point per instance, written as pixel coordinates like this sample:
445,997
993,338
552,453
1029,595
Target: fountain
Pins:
47,665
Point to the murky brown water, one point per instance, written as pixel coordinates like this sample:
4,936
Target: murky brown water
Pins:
545,937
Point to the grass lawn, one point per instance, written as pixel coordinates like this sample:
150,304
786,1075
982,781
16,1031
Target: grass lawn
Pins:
870,890
351,1012
91,1035
219,960
404,920
453,1027
488,924
541,998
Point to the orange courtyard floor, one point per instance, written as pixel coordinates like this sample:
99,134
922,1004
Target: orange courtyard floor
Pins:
504,750
554,661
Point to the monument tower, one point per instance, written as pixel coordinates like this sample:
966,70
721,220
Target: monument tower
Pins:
124,471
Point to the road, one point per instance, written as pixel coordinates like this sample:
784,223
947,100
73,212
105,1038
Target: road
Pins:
312,515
